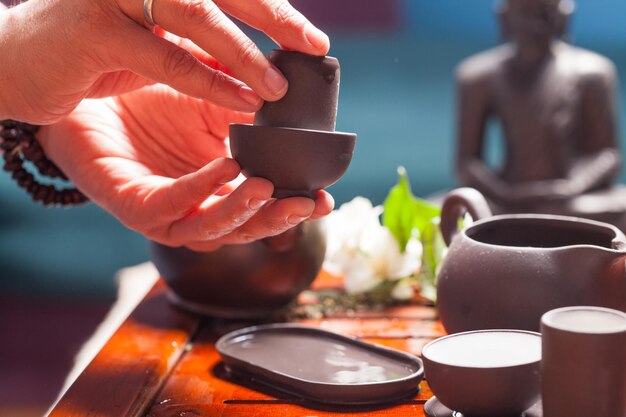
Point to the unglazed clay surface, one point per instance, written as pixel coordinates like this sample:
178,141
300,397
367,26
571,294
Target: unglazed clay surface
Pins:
505,271
293,142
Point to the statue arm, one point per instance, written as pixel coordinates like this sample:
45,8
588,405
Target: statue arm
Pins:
599,157
472,114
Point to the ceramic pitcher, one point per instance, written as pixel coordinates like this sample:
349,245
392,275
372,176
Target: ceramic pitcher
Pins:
505,271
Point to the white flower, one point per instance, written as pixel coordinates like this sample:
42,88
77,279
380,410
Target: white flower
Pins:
403,290
365,252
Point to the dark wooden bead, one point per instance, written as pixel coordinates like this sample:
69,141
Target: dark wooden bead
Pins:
19,174
11,166
78,197
8,145
18,142
8,124
23,178
48,199
32,188
10,133
41,193
12,157
47,170
32,129
67,198
33,154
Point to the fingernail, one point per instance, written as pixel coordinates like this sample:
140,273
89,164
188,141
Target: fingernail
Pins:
248,95
255,203
275,81
294,220
317,38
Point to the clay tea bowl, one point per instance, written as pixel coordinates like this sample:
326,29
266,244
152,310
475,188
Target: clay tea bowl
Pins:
297,161
487,373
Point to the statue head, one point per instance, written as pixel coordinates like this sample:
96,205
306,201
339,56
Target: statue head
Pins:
535,22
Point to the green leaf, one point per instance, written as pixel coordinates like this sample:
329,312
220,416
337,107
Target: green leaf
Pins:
404,214
432,253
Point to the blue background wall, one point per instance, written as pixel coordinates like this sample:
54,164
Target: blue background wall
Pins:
595,20
397,93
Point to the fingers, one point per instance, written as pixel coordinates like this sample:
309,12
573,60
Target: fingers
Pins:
207,26
223,215
247,214
274,218
159,60
324,205
185,194
204,23
281,22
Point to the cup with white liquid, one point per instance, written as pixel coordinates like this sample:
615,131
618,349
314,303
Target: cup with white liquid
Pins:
583,371
487,373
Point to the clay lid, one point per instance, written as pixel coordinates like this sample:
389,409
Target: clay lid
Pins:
311,99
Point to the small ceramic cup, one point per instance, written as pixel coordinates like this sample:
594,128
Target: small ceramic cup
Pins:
583,370
487,373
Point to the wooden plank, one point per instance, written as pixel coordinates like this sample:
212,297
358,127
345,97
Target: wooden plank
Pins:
411,345
409,311
199,386
383,327
124,377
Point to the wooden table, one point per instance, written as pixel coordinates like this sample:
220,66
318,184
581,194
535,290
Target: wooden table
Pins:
162,362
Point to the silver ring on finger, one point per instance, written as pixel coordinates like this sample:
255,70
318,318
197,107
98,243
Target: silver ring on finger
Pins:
147,13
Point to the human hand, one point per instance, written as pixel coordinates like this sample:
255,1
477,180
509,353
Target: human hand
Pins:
157,160
58,52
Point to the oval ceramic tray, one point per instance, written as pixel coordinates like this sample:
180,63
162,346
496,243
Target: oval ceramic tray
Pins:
320,366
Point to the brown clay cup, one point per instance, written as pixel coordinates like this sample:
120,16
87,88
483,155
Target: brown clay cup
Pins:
487,373
292,142
583,370
298,162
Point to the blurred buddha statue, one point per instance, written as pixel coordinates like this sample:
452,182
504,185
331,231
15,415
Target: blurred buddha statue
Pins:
557,110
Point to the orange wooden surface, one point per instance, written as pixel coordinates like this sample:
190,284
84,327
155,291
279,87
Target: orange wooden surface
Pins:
124,377
164,367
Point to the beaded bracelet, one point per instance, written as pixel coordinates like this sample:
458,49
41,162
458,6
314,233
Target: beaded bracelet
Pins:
18,144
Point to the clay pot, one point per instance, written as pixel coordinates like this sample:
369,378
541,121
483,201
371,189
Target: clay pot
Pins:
243,281
504,272
298,162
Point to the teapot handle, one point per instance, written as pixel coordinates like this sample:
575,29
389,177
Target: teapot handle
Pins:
619,242
457,203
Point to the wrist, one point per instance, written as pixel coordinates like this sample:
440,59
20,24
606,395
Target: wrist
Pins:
9,99
5,49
